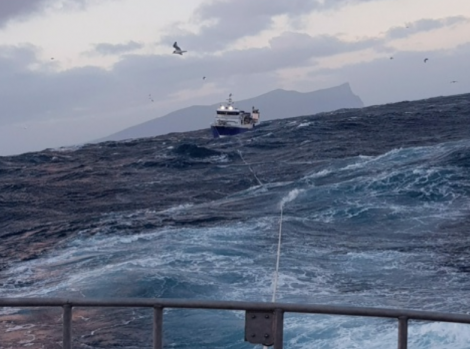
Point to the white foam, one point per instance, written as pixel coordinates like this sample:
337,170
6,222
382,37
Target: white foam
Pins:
219,158
71,148
178,208
290,197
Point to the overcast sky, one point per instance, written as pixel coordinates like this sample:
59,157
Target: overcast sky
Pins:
73,71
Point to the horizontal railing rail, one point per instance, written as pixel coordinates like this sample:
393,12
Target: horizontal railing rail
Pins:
276,309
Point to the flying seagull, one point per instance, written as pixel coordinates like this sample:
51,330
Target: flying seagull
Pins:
453,81
177,50
203,78
425,60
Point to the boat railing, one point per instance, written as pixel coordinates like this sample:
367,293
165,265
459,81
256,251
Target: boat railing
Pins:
264,322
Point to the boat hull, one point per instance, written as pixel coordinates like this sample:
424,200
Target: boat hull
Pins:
224,131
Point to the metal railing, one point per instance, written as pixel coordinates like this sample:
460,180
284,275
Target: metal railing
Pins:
270,333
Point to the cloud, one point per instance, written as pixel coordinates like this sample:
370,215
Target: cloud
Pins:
409,78
225,21
116,49
14,59
42,93
73,101
287,50
319,46
34,91
425,25
21,9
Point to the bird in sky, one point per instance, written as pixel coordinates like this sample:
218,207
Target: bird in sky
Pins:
178,50
203,78
453,81
425,60
391,57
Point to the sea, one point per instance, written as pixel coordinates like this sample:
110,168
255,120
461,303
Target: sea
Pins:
375,212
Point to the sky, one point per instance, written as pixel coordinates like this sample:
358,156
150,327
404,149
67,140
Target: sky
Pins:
73,71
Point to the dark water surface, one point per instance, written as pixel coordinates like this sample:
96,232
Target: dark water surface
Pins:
376,213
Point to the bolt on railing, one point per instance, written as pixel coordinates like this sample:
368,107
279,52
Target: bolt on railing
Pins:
261,332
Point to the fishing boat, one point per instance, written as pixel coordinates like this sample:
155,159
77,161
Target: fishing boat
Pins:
230,121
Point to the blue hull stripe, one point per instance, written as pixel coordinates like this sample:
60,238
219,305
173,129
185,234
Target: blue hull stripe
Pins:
227,131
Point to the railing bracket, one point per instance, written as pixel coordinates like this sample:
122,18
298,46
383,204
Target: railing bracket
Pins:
259,327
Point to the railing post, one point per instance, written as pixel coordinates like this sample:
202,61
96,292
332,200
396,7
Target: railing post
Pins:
157,327
278,328
67,327
402,332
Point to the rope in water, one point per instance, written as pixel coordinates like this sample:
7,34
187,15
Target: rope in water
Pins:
249,166
278,258
278,255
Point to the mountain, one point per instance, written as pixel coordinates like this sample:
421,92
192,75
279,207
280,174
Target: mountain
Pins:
277,104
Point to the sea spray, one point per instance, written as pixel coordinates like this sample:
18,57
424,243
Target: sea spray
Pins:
290,197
